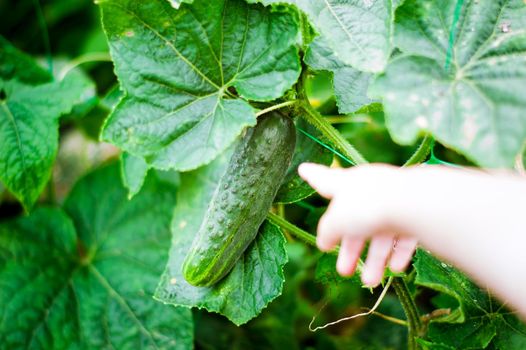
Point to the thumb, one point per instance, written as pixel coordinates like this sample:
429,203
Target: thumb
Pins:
323,179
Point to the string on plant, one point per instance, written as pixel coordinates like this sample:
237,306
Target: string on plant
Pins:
362,314
321,143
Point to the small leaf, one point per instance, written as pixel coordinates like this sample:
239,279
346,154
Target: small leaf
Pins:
85,281
294,189
29,117
479,319
255,280
179,69
133,171
477,106
350,85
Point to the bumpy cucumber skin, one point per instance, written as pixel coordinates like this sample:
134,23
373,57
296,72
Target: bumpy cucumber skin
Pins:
242,199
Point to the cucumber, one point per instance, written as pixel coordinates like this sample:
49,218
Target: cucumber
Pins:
241,200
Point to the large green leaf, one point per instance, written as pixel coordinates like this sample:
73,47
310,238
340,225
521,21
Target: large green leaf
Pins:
30,106
179,67
477,106
479,319
359,32
255,280
350,85
85,281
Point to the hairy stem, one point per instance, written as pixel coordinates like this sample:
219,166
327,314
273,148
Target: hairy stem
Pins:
421,152
312,116
410,310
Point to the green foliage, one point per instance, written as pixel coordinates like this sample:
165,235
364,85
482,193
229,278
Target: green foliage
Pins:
83,277
478,321
185,120
477,106
364,47
350,85
31,103
191,77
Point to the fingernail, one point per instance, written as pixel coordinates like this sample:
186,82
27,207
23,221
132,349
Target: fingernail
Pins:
368,280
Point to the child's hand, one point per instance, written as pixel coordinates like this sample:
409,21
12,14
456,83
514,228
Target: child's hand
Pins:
470,218
357,212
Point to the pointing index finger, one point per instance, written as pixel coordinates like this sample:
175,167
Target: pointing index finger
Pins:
323,179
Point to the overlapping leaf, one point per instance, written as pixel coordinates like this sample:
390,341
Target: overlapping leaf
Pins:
256,279
30,106
477,106
350,85
178,68
85,280
134,171
479,320
359,32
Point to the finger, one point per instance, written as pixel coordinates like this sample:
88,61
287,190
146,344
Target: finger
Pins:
323,179
332,225
350,251
402,254
377,256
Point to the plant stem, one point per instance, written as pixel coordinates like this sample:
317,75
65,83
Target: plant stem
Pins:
273,108
292,229
280,209
89,57
421,153
410,310
312,116
297,232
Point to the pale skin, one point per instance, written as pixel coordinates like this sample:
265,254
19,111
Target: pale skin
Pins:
472,219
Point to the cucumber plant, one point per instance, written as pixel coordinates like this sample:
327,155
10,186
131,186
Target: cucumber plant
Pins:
211,108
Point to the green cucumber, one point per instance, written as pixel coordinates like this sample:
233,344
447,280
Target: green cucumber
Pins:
242,199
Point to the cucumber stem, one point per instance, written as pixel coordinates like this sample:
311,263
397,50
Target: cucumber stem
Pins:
312,116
